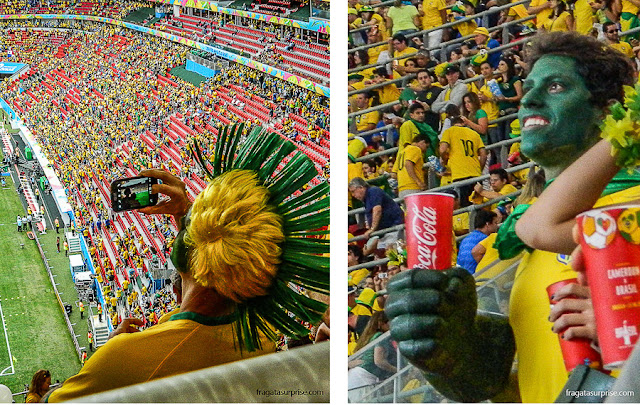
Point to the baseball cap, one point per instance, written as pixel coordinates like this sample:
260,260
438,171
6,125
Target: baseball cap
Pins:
451,69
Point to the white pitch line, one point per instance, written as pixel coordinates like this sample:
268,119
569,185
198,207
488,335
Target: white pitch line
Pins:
4,327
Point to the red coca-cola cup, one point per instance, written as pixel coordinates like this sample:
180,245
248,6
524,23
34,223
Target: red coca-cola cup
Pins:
429,230
578,350
610,240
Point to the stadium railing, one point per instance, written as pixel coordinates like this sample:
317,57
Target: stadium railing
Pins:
253,380
425,33
74,337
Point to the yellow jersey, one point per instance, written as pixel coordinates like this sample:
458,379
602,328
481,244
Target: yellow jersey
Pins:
414,154
541,370
464,144
623,47
542,16
407,51
432,16
583,15
364,120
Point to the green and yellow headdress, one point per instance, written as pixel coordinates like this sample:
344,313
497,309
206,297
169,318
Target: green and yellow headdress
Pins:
622,129
253,236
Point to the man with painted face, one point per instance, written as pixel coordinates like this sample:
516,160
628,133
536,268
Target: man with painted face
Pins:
466,356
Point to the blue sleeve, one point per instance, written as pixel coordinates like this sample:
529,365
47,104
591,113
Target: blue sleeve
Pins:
375,197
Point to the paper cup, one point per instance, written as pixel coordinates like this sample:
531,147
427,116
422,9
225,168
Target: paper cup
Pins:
429,230
610,240
575,351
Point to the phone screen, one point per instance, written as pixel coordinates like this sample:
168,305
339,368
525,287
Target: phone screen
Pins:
133,193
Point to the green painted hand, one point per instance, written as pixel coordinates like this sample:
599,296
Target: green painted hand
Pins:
433,317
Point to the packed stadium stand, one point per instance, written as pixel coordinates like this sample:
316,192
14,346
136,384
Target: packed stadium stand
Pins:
421,75
104,104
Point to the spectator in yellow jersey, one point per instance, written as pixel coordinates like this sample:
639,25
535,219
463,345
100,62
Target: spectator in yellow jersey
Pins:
409,166
398,47
463,151
416,125
560,19
434,14
499,181
367,121
542,9
610,30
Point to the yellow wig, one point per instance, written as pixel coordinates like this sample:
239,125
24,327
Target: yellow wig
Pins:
234,236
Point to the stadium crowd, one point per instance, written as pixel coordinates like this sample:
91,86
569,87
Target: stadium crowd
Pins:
439,101
92,109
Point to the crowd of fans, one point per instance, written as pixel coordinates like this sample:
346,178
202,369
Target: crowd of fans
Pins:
91,110
436,98
102,8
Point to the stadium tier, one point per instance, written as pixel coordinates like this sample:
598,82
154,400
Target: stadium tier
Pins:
451,153
105,103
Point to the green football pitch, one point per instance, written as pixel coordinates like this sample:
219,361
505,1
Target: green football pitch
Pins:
33,333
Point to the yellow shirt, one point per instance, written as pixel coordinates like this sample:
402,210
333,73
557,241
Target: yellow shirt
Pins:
414,154
490,107
374,52
466,28
364,120
519,11
623,47
357,276
542,16
557,24
583,15
388,93
541,370
179,346
461,222
407,51
431,9
464,144
629,7
407,131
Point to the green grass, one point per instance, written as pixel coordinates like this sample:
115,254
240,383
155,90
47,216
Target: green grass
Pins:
38,335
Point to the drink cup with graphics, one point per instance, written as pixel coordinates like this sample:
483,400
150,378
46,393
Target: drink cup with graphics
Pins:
578,350
429,229
610,240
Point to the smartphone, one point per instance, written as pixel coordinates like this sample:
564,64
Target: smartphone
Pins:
133,193
382,276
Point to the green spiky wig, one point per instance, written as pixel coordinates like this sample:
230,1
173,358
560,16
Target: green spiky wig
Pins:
301,261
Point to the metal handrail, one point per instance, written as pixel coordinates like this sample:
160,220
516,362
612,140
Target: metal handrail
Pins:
470,208
413,75
457,184
472,17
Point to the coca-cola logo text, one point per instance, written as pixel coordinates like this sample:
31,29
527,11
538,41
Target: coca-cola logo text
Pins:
423,228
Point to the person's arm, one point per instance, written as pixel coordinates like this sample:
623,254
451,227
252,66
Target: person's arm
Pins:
412,173
457,94
376,216
380,359
444,151
480,127
547,224
488,194
478,252
440,104
616,9
570,24
482,156
536,9
178,205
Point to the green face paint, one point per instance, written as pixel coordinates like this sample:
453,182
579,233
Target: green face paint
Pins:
558,121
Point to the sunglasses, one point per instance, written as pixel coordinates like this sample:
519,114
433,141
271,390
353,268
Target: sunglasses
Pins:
612,32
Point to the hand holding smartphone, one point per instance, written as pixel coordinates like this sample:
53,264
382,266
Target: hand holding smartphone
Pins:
133,193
